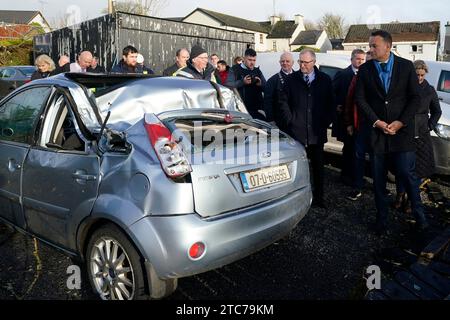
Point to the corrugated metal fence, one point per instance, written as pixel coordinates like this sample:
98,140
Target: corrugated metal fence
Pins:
157,39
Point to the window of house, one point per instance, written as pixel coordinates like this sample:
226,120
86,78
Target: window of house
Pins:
274,46
261,39
19,115
416,48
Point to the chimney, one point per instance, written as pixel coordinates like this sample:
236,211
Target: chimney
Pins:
300,20
274,20
447,38
110,6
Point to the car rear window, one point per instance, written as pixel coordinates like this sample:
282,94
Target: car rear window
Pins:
203,131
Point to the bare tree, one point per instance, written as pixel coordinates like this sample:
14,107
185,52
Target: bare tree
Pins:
334,25
310,25
142,7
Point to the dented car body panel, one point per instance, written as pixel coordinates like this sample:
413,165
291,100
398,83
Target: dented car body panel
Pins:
88,158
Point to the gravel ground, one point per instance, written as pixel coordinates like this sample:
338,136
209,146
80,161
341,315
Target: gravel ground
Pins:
324,257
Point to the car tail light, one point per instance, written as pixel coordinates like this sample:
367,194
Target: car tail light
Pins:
196,250
26,81
170,153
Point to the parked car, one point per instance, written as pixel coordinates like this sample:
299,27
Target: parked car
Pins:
13,77
111,169
438,76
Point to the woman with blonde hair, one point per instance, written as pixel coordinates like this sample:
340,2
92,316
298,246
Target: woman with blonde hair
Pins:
45,67
426,119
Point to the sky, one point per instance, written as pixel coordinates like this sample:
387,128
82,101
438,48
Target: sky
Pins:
362,11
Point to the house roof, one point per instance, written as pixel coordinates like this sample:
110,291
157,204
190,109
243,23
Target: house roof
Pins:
233,21
17,17
16,31
282,29
336,44
401,32
308,37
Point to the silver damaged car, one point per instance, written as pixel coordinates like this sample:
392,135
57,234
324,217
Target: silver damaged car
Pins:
146,179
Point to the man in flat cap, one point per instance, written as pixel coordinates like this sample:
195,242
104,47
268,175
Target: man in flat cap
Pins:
198,66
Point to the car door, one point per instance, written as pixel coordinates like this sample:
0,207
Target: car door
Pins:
60,177
19,116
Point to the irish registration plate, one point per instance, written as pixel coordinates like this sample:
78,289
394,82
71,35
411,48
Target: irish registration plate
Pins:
257,179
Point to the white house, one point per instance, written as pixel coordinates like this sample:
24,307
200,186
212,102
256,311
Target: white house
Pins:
412,41
273,35
283,32
16,17
316,39
227,22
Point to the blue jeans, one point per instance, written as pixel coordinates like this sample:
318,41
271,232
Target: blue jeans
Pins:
362,146
404,164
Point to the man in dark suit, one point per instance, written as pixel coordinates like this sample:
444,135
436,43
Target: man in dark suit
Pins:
341,84
387,94
274,85
306,106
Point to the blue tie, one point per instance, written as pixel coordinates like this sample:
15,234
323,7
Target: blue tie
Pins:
383,67
307,80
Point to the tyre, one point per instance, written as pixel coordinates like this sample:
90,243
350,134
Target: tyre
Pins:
114,266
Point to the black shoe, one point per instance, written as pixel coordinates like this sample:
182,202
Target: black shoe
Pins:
319,204
355,195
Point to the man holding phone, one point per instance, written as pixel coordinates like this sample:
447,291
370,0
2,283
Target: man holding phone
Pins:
250,83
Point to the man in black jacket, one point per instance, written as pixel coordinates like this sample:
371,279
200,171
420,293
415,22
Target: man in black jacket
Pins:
273,87
341,84
198,66
181,58
306,110
387,93
250,83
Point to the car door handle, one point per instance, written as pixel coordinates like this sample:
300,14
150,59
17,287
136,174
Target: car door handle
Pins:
13,165
81,175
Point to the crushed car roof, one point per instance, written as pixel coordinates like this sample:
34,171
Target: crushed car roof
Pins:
130,96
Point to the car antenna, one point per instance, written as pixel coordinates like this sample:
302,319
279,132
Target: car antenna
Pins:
104,125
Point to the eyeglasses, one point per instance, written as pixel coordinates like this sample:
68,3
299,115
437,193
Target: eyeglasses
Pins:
305,62
203,57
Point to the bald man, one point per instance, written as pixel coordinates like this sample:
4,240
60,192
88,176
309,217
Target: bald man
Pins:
81,65
274,85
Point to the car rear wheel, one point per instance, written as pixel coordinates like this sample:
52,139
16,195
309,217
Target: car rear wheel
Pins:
114,266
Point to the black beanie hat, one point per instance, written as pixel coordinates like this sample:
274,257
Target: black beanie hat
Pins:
196,51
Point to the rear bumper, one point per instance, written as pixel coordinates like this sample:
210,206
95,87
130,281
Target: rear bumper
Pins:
165,241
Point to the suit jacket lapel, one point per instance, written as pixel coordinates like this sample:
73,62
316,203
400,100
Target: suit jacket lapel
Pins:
376,78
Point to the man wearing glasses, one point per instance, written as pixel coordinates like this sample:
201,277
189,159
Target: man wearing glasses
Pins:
198,66
306,109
